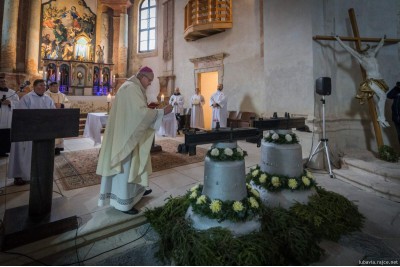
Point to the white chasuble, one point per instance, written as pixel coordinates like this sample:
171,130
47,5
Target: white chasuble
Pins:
124,161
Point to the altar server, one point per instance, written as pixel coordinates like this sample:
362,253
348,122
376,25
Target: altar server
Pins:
219,104
60,101
8,100
176,101
196,115
21,152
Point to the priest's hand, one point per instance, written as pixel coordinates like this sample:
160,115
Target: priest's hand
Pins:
167,109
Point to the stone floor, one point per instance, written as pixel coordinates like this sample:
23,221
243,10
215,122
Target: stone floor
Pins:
108,237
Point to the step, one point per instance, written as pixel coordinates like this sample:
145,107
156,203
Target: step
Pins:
374,165
370,182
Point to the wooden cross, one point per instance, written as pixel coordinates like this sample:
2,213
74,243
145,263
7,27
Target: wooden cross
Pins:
357,39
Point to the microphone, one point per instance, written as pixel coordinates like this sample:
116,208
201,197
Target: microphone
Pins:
25,84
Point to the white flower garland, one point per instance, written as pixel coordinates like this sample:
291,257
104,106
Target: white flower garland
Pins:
273,137
242,210
274,182
226,154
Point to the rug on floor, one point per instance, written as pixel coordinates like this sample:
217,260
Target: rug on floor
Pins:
77,169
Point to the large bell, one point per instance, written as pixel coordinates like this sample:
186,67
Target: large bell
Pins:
225,180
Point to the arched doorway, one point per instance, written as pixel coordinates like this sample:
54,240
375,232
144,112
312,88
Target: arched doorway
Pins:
207,83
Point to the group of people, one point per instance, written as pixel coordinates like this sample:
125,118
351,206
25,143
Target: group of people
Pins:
218,102
21,152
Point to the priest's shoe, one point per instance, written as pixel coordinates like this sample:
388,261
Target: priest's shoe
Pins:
132,211
147,192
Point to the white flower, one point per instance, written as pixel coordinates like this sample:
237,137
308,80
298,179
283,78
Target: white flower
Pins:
248,186
263,178
194,188
275,181
255,192
193,195
288,137
215,206
267,135
255,173
306,180
254,168
309,175
240,151
201,200
292,183
215,152
275,136
228,151
237,206
253,202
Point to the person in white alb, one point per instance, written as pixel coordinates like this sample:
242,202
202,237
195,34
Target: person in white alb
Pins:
176,101
21,152
8,100
60,101
219,104
197,116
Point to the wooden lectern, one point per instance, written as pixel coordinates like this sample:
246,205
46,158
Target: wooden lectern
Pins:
26,224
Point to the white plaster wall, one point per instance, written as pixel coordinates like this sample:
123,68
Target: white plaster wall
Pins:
243,67
289,84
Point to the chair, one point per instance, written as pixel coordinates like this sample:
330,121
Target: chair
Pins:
245,119
233,119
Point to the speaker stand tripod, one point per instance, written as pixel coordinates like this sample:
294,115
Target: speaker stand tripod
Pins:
323,142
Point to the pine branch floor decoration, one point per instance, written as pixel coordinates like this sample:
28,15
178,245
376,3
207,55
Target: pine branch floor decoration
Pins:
287,237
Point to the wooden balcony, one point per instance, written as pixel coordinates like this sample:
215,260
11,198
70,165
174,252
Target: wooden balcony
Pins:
207,17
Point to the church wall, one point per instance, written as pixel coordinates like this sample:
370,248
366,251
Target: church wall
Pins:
288,57
348,123
243,65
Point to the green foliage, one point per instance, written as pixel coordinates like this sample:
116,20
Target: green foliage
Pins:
387,153
283,139
329,214
226,154
276,182
286,237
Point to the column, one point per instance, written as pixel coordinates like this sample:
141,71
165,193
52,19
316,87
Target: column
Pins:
33,38
105,34
115,46
123,43
9,39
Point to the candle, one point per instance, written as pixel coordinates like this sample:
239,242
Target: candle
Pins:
162,98
113,80
108,98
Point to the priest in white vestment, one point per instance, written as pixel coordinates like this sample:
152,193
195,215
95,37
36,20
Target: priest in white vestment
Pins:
196,115
219,104
60,101
8,100
21,152
124,161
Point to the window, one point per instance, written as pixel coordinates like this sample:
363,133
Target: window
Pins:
147,26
